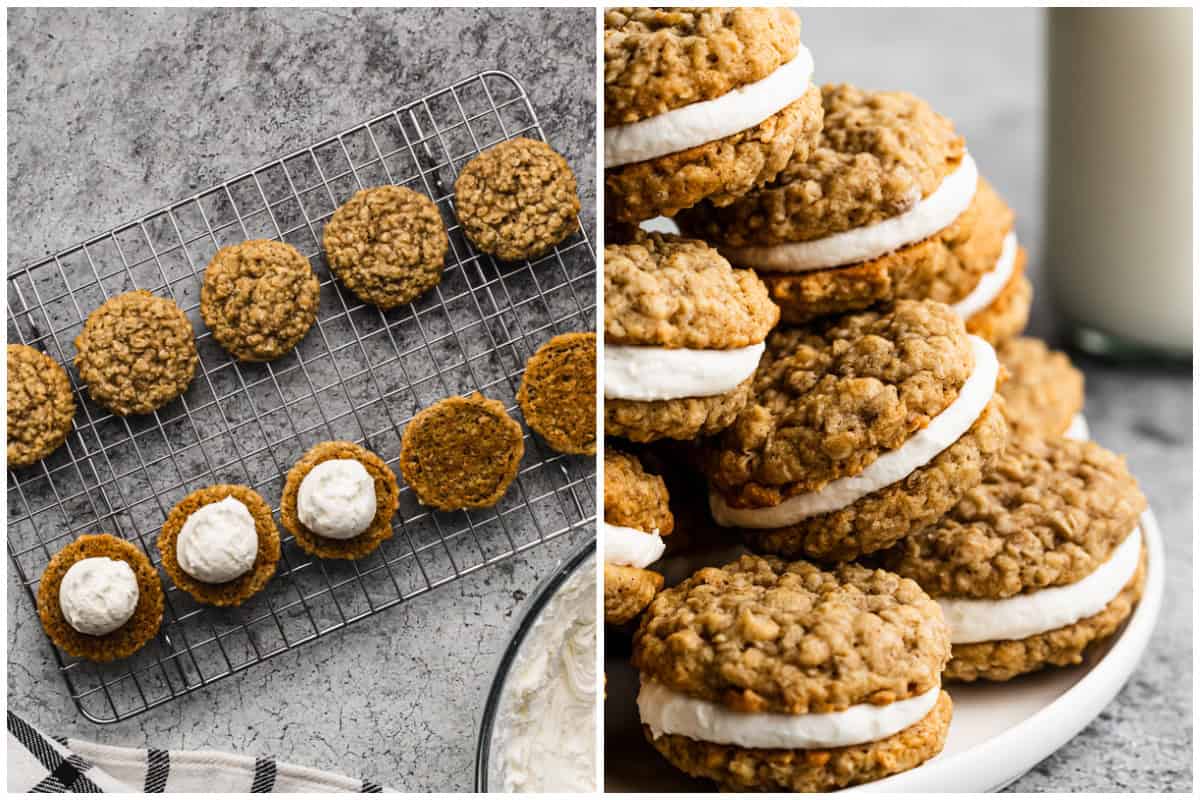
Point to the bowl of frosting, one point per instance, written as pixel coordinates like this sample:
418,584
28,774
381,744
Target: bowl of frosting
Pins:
539,724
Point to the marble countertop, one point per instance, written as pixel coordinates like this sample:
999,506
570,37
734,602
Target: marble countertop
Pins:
113,113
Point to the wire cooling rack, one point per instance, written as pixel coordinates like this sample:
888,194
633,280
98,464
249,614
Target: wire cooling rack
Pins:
360,374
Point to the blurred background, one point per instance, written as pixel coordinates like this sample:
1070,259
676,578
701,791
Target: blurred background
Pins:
1111,144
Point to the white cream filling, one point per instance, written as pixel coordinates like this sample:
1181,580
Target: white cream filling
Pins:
895,465
631,547
667,711
1078,429
1023,615
992,282
923,220
218,542
709,120
336,499
98,595
662,373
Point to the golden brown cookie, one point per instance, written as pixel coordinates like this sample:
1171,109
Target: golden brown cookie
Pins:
634,498
767,636
238,590
387,244
40,405
259,298
136,353
387,500
558,393
627,590
830,399
517,200
461,452
1049,514
125,640
1043,392
635,510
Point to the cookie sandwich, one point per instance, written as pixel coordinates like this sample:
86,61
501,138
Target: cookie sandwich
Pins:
136,353
683,334
769,675
701,103
220,544
636,518
100,598
860,430
339,500
1043,394
1036,563
40,405
889,206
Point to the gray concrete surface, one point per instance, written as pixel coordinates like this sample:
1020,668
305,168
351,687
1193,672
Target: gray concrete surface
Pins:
984,69
113,113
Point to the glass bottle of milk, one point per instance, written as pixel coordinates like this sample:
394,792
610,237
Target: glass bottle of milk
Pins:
1119,254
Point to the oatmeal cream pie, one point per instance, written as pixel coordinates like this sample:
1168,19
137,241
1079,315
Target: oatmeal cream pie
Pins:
387,244
461,452
768,675
558,393
40,405
1043,393
1037,562
339,500
683,333
889,206
860,430
136,353
220,544
259,298
701,103
636,518
100,598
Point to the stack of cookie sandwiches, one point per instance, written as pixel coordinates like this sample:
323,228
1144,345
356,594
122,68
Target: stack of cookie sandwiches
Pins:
830,351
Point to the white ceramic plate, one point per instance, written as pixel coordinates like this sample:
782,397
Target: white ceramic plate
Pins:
998,733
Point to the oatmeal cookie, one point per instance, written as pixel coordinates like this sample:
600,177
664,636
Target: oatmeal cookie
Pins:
1049,514
627,591
739,769
719,171
680,418
40,405
1008,314
517,200
242,588
634,498
461,452
1043,392
659,59
666,291
878,155
259,298
387,500
387,244
125,640
558,393
136,353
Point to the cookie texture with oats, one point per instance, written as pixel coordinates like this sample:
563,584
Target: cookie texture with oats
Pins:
259,298
744,769
40,405
1048,513
878,155
659,59
461,452
517,200
1043,392
831,397
387,244
667,291
634,498
136,353
719,171
766,635
558,393
680,418
627,591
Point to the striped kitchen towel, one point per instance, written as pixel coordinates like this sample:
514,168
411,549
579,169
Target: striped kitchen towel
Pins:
40,763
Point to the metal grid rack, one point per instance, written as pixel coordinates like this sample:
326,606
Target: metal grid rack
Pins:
360,374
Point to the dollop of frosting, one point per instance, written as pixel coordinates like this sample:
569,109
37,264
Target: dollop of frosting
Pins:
337,499
98,595
218,542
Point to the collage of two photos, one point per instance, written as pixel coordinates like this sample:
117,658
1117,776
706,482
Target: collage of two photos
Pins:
877,477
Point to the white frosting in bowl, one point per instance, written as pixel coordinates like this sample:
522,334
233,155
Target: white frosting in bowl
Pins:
98,595
336,499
